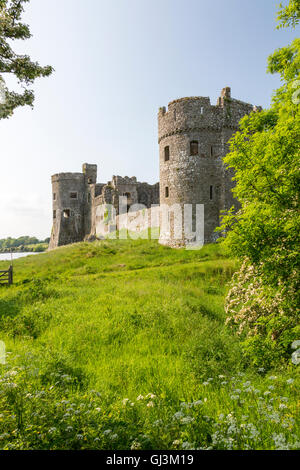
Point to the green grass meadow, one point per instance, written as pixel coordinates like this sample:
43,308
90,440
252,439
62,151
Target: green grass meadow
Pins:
122,344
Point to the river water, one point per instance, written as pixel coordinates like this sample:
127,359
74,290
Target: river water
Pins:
6,256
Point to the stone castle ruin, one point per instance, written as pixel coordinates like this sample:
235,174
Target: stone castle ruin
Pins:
193,139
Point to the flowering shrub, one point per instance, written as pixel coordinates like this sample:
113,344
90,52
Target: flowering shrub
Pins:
262,315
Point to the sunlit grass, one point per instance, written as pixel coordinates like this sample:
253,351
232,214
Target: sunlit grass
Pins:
129,318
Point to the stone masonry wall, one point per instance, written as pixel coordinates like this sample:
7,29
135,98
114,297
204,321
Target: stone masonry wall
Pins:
200,178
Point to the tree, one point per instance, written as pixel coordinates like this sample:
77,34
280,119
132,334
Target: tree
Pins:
289,15
264,233
20,66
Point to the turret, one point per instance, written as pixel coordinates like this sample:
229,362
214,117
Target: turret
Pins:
193,137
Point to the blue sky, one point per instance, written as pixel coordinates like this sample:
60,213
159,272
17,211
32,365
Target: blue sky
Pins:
116,62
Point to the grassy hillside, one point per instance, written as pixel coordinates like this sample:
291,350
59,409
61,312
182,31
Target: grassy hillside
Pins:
92,327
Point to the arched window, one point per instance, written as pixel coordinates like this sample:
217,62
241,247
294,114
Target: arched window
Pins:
211,193
194,147
167,154
166,191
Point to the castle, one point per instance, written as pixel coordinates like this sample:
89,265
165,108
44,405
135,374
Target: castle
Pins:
193,139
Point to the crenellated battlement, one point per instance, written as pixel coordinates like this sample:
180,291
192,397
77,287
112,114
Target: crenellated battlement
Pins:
123,180
196,113
67,176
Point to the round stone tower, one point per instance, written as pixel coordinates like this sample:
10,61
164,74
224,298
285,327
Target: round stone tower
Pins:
71,195
193,137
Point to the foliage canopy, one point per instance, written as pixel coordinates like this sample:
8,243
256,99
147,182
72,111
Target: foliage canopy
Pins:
12,64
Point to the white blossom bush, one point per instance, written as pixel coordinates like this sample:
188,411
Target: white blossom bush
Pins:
262,316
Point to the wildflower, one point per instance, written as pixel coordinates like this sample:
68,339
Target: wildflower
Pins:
151,395
150,404
125,401
98,409
140,397
284,399
10,385
69,429
79,437
187,445
113,437
176,443
12,373
158,422
198,402
279,441
178,415
247,384
185,405
136,445
107,431
187,420
290,381
272,377
282,406
205,383
234,397
271,387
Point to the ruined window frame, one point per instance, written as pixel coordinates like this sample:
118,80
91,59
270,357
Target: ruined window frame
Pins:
167,192
74,193
67,213
194,148
167,153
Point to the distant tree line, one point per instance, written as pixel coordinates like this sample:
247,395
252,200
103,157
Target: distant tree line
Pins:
24,244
